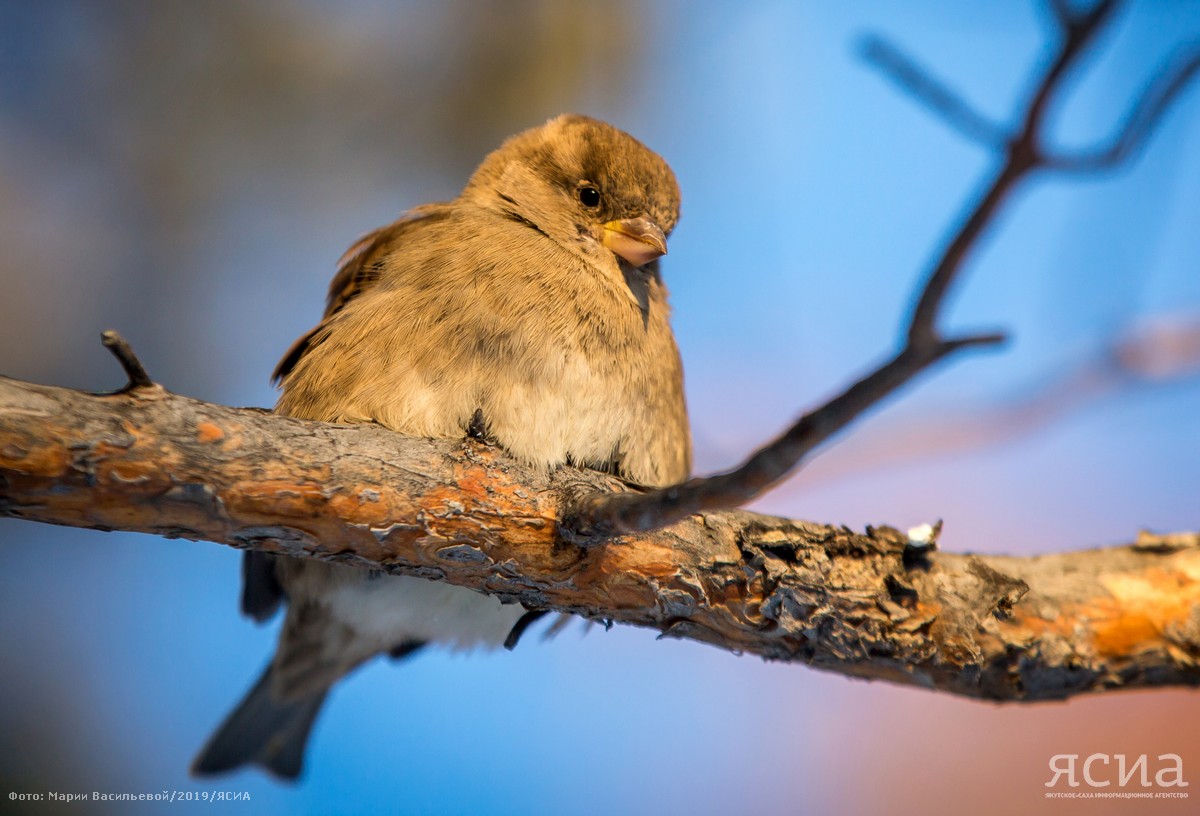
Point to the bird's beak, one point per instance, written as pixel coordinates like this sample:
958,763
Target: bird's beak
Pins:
637,240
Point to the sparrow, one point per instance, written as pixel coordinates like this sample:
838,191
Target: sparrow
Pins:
529,310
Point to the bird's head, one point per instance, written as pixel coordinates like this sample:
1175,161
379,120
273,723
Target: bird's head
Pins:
585,184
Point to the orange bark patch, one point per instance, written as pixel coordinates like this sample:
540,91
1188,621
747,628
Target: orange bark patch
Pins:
1139,608
625,574
654,562
472,483
371,507
19,455
207,432
276,498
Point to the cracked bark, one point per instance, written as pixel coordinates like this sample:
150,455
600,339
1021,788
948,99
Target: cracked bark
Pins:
872,604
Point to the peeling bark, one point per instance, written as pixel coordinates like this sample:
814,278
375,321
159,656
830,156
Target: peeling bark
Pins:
875,604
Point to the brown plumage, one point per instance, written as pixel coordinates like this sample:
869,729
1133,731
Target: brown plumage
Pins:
533,300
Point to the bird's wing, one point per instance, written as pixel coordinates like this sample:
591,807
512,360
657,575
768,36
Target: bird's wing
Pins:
358,270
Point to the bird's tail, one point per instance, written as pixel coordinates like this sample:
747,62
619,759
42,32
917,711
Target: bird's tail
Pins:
263,731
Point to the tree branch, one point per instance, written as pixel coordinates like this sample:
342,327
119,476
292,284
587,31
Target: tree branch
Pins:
1159,351
601,515
914,80
1022,157
1154,101
877,605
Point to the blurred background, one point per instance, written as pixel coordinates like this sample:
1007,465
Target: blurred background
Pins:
188,172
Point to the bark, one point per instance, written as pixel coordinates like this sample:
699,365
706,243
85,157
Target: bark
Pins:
873,604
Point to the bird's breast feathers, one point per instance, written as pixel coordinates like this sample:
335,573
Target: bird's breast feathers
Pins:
563,363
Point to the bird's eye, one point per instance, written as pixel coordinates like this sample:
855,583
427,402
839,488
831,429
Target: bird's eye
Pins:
589,196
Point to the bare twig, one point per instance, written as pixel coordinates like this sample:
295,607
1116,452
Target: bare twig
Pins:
605,515
1064,16
1163,350
914,80
1022,156
598,515
120,348
1148,110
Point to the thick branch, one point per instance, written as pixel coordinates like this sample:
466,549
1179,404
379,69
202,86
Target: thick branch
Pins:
874,605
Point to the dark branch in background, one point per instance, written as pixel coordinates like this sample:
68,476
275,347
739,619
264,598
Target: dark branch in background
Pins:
1163,351
600,515
933,94
596,516
1152,103
1064,16
1023,155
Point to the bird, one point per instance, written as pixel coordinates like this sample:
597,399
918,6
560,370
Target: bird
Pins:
531,311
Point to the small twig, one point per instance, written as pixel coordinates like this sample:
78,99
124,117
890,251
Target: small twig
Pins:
604,515
1149,109
1022,156
1162,351
914,80
1070,21
1064,16
120,348
599,515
